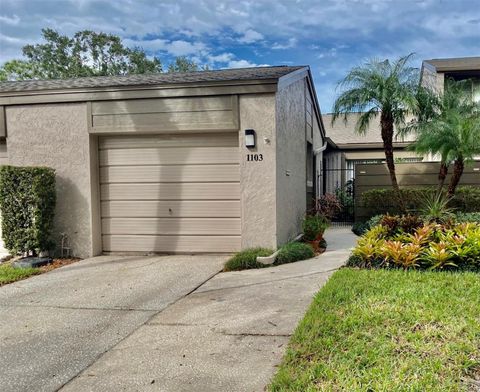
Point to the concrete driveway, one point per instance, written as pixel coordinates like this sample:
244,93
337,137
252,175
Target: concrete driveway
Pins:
156,323
53,326
228,335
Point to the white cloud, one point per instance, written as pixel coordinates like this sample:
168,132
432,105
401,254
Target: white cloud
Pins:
244,64
250,36
332,52
175,48
292,42
183,48
12,21
221,58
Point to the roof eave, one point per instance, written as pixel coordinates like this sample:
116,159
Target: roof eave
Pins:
140,91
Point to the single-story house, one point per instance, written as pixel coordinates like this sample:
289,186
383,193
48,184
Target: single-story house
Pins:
200,162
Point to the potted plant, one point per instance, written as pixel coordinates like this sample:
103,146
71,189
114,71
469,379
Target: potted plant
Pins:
313,228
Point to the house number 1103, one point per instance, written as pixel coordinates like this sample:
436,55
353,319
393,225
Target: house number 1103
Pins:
254,157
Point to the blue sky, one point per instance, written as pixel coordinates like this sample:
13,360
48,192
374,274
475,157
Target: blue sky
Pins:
329,35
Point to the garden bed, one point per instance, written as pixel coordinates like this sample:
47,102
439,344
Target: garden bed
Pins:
387,330
312,244
414,242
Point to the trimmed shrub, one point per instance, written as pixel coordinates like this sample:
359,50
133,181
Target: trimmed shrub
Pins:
27,205
382,201
359,228
313,226
247,259
294,251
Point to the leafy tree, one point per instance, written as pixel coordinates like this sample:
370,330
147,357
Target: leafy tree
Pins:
382,88
448,124
183,64
17,70
87,53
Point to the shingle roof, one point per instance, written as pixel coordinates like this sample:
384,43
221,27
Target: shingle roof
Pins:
239,74
342,133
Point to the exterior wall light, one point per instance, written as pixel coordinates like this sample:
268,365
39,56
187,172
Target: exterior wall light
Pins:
250,138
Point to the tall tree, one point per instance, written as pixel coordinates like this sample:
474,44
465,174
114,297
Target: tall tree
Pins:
451,129
184,64
385,88
17,70
87,53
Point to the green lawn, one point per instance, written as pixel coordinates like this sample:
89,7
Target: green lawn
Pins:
387,330
8,274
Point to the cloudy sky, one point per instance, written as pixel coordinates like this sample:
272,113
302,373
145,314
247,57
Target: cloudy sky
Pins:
329,35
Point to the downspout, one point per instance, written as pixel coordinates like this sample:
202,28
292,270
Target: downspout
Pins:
319,150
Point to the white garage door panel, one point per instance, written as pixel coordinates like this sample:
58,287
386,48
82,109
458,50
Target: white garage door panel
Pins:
169,156
194,244
170,193
171,209
188,191
160,174
171,226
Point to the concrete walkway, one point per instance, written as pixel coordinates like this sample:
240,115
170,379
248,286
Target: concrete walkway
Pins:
228,335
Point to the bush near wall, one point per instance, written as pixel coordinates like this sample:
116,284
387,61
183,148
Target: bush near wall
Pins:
27,205
382,201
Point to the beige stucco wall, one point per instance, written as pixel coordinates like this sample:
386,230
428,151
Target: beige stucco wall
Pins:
257,179
3,153
56,135
291,160
3,161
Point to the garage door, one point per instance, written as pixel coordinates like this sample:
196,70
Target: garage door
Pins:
170,193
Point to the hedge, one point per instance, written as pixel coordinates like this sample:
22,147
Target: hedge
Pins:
247,259
294,251
382,201
27,205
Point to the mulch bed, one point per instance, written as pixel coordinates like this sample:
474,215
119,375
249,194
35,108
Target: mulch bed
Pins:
57,263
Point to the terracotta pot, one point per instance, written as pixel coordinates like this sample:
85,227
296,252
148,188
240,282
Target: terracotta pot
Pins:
315,244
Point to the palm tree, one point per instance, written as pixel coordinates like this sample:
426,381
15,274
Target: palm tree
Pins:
451,130
379,87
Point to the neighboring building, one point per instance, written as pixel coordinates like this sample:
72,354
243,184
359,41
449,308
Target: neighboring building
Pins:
435,72
160,163
346,148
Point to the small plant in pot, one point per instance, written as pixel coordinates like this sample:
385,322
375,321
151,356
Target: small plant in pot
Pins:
313,228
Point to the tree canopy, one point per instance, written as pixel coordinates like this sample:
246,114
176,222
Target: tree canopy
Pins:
183,64
86,53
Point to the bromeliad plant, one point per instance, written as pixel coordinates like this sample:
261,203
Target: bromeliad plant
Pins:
436,246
